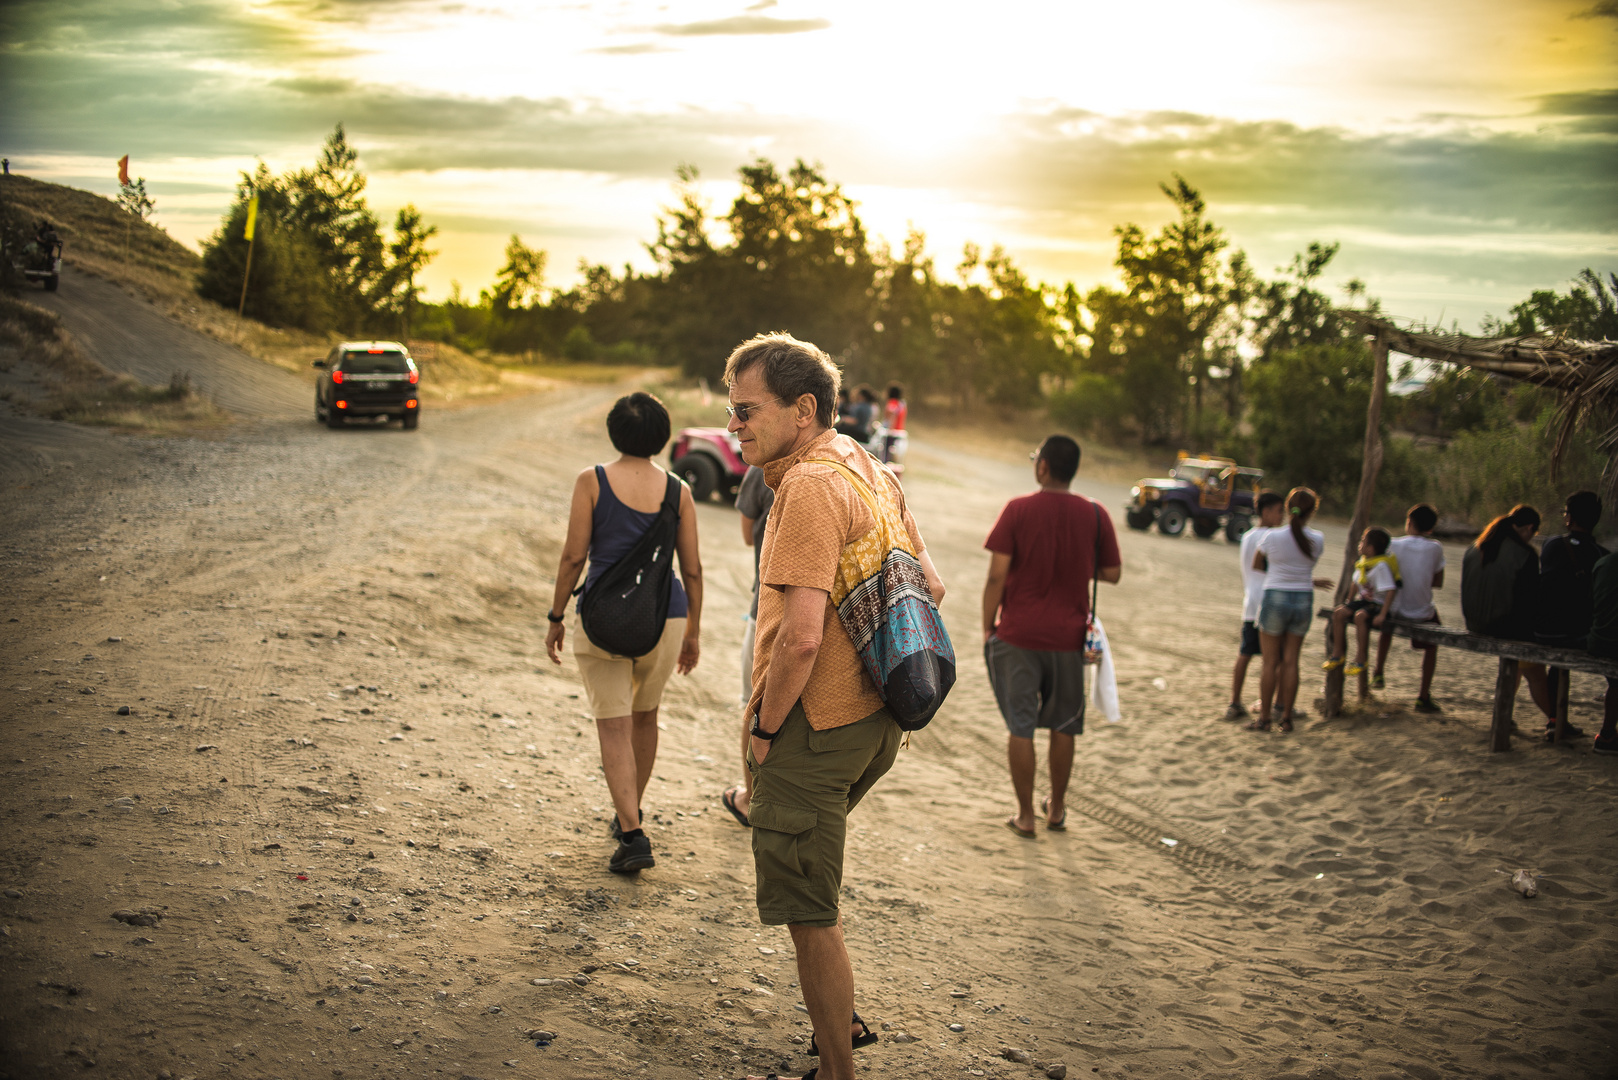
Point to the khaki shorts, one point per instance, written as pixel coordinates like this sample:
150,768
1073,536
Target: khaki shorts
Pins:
618,685
802,795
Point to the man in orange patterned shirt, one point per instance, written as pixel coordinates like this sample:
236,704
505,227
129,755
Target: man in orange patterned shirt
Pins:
821,734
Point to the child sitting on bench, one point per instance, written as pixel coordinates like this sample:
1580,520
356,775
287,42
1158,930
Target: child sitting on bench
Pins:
1376,577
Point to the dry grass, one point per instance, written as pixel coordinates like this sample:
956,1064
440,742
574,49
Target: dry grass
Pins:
81,391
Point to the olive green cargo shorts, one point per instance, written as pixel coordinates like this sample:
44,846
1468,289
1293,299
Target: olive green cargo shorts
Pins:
802,794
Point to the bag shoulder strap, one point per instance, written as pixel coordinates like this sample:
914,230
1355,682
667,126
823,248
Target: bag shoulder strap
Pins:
671,495
860,486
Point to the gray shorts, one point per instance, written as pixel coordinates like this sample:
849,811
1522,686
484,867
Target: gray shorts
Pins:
1036,689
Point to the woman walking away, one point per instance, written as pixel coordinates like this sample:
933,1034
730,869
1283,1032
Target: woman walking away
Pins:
613,507
1287,556
1500,592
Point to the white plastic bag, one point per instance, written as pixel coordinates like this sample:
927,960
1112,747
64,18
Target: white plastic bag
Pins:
1104,681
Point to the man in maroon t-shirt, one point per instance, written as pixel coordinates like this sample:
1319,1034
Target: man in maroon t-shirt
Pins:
1036,610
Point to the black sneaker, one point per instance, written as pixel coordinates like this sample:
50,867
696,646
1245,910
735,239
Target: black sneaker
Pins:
1572,732
1605,744
632,856
1427,705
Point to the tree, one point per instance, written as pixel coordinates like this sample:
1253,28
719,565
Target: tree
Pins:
520,283
288,286
327,204
1308,407
1589,310
132,199
396,291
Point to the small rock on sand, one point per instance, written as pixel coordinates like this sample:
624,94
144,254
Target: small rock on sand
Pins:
1526,883
1021,1057
957,1028
206,747
1057,1071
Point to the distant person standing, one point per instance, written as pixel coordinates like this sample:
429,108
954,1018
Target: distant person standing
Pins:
1045,549
1270,507
894,414
753,501
1421,570
1288,557
613,507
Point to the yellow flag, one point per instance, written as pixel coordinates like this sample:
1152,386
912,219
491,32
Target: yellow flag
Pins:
252,217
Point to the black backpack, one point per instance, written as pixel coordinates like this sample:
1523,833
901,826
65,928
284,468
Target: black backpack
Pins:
624,611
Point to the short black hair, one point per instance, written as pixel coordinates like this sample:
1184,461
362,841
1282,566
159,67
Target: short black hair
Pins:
638,425
1267,499
1062,455
1379,538
1584,509
1424,516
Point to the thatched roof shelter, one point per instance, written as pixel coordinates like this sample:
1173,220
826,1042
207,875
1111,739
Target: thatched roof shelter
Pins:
1583,373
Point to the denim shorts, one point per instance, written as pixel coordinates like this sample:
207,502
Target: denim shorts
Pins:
1286,612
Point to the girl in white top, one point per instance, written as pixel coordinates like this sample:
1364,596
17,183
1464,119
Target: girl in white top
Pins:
1288,557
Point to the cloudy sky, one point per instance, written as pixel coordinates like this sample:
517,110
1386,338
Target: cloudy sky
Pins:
1463,152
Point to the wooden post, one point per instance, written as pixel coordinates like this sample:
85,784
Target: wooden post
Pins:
1369,467
1365,679
1371,464
1505,700
1563,685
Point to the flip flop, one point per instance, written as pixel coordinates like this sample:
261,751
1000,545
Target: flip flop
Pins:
1054,826
728,798
1259,725
1026,834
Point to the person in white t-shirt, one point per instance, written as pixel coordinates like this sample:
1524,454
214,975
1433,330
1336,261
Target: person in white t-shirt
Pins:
1270,506
1421,566
1289,556
1374,585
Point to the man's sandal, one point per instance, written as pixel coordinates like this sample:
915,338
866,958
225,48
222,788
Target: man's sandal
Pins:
866,1037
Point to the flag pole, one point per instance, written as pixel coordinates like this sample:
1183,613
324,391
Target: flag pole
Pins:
252,220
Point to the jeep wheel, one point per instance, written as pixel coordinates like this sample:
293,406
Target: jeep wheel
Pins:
334,417
1171,520
1236,527
51,283
410,420
1139,519
701,472
1205,527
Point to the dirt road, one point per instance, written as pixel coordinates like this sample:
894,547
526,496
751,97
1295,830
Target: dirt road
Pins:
355,824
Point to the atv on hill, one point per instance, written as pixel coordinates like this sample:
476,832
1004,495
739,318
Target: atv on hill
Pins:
1204,491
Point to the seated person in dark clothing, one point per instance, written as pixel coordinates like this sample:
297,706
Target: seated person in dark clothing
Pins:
1500,590
1565,565
1603,642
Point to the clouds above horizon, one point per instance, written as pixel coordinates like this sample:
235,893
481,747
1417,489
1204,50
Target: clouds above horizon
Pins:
1521,186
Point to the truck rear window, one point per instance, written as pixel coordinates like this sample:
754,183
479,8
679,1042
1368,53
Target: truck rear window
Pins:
370,363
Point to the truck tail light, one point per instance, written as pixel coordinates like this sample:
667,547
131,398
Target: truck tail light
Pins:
411,404
337,376
415,377
342,404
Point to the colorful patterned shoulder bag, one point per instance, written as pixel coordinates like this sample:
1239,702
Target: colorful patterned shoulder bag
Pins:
884,604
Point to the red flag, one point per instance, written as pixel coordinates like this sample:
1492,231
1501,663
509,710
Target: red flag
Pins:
123,169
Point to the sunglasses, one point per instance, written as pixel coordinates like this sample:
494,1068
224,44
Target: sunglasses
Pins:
743,412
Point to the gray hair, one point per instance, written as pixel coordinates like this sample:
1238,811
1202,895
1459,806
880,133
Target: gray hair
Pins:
792,368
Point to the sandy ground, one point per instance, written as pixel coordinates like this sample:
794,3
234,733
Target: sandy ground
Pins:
354,822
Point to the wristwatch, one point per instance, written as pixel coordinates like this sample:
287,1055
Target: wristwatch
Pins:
553,617
759,733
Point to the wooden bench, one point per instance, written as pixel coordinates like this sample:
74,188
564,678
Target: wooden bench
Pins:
1511,653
